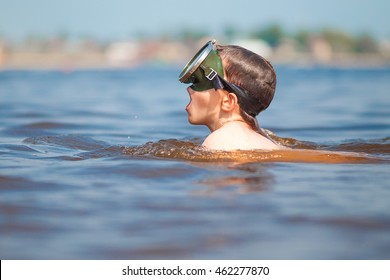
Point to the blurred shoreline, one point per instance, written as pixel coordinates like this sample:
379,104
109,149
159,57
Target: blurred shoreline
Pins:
86,61
61,54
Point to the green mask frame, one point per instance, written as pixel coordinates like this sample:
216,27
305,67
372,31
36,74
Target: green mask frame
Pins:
203,68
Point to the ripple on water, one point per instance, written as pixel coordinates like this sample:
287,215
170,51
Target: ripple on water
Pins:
77,142
38,128
374,151
186,150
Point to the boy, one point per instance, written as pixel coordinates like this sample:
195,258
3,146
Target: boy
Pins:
230,87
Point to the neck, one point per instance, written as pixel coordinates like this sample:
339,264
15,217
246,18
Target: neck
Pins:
223,122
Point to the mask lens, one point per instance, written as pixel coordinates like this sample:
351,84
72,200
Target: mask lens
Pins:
191,80
195,84
197,70
201,84
195,62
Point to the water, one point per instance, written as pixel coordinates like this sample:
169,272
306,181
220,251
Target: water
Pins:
103,165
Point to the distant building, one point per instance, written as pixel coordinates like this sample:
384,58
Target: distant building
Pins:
320,49
255,45
123,53
286,51
384,48
2,53
170,53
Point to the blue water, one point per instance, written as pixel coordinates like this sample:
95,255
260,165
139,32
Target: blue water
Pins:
103,165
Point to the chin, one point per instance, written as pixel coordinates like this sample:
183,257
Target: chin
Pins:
192,121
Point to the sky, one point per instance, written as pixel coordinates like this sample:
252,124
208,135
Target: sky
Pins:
122,19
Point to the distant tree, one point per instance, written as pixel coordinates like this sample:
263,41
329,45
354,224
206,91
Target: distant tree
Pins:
140,35
366,44
230,32
63,35
188,34
272,34
34,42
339,40
302,39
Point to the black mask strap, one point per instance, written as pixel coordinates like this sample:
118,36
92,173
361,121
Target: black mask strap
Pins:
250,104
247,102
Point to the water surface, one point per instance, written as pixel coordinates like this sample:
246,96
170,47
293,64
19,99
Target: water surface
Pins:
103,165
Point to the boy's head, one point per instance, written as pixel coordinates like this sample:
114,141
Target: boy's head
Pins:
248,75
251,72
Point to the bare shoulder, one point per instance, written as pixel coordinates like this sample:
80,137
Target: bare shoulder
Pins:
236,137
217,140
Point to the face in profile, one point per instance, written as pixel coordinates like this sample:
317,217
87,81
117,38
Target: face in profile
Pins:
203,106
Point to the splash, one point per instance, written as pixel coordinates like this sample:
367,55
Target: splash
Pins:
372,151
295,151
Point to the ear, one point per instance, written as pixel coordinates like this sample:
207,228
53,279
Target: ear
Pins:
229,101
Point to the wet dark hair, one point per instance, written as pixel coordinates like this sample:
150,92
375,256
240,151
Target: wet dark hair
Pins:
250,71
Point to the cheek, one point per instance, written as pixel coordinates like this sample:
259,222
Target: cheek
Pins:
205,103
204,107
198,108
201,100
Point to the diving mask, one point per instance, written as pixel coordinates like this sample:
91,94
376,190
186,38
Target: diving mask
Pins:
203,68
205,71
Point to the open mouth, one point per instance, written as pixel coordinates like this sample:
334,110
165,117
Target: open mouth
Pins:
189,103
